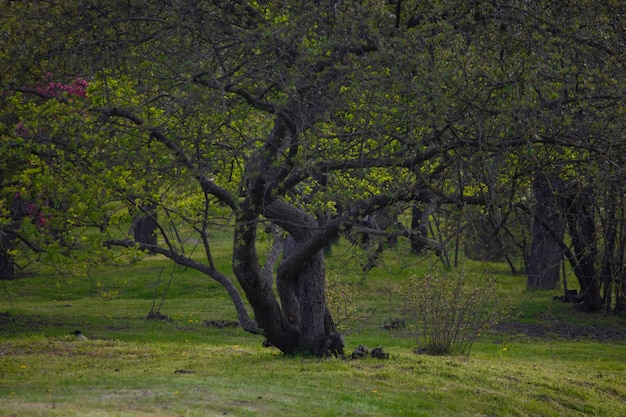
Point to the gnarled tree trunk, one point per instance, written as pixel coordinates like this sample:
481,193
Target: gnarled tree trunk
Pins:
304,290
296,321
301,288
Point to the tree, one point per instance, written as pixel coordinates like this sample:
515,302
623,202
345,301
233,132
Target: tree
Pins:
240,116
548,234
310,116
50,190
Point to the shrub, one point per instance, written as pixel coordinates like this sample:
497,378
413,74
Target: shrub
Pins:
340,299
450,310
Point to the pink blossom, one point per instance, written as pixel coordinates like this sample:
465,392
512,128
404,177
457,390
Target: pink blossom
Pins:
77,88
21,130
41,221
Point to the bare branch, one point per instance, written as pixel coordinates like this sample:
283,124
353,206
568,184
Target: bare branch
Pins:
244,319
208,186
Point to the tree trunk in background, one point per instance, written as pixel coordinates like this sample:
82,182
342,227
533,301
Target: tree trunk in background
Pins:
419,220
620,276
620,302
7,264
609,268
547,234
581,227
418,247
144,227
613,220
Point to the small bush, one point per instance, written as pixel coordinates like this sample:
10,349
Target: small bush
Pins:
450,310
341,300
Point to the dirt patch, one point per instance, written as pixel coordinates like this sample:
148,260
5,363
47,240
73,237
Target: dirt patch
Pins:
561,331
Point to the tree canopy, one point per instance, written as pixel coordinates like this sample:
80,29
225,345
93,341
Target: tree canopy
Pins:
306,117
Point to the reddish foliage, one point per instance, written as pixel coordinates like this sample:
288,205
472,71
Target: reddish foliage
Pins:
77,88
21,130
33,209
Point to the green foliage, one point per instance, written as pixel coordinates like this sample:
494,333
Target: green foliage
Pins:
54,194
451,310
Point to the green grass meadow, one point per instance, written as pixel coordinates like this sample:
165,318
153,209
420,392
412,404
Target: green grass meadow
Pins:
188,366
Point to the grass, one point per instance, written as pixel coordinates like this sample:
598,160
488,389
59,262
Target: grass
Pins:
184,367
52,376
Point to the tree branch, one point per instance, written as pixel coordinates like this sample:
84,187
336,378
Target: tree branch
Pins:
245,321
208,186
331,229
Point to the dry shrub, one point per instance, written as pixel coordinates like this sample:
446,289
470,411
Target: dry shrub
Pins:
340,300
450,310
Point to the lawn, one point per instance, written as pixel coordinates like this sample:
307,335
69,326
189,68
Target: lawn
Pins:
545,359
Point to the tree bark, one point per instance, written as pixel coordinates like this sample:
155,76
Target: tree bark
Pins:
620,277
548,230
608,270
620,302
419,220
144,226
307,289
302,290
581,227
7,263
258,287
